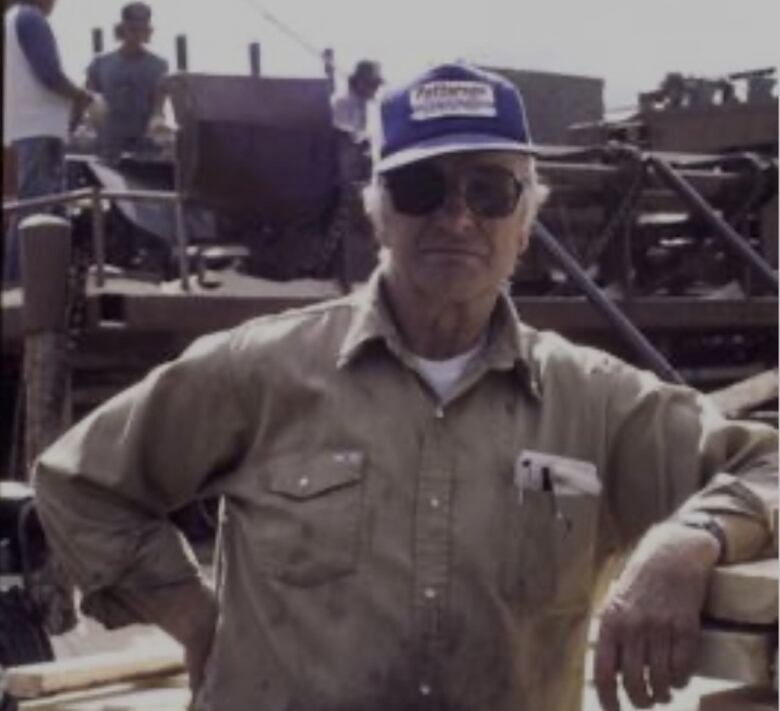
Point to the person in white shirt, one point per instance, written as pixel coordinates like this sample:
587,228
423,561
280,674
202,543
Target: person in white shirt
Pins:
40,105
350,118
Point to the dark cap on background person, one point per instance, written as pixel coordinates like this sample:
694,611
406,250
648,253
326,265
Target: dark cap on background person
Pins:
451,108
136,12
369,71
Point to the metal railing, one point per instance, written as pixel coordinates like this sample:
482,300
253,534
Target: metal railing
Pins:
96,196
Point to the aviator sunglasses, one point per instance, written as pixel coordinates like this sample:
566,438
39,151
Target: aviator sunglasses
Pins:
419,189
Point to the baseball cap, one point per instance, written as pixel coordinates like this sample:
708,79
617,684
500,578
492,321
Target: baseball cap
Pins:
451,108
136,12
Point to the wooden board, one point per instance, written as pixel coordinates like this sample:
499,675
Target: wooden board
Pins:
746,395
42,679
745,593
169,694
743,699
745,656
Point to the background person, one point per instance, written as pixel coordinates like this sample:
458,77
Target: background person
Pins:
130,80
418,489
352,121
40,106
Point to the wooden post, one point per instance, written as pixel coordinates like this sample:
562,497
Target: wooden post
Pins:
45,242
254,59
181,53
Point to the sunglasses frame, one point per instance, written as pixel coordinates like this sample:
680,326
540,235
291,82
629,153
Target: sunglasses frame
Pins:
461,176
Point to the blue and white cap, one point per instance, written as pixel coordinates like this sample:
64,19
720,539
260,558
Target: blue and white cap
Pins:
451,108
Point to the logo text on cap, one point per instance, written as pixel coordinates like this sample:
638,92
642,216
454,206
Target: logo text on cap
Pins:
437,99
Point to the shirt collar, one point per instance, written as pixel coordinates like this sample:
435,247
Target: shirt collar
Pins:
509,343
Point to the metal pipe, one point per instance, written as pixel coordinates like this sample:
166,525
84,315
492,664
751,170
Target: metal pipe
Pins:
254,59
700,206
98,239
181,244
97,40
13,206
612,313
181,53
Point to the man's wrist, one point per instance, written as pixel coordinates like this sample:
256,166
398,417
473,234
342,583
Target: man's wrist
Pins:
187,611
706,523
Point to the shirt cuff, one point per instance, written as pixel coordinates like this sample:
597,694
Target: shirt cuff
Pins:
741,515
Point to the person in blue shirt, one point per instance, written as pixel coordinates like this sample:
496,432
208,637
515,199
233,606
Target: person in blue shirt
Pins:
130,79
40,106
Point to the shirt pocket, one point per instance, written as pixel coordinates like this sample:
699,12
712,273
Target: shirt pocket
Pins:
550,549
308,529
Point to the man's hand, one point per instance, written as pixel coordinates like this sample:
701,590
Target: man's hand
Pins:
187,612
650,621
81,100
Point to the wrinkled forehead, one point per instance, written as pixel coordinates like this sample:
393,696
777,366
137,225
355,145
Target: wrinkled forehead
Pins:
519,163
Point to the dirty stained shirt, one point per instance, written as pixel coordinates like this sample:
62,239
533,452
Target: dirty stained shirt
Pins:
373,552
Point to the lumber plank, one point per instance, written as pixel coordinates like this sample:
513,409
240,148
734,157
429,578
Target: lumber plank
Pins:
745,593
169,694
737,655
746,395
47,678
741,699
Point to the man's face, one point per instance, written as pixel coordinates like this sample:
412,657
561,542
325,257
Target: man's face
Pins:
368,86
465,246
135,33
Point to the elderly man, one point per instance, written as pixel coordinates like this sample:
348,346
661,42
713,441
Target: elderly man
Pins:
418,490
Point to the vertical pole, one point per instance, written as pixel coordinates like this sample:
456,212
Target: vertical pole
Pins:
329,65
181,243
254,59
181,53
46,262
98,238
46,257
97,40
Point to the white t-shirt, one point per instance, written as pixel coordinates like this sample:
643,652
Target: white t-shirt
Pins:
441,375
30,110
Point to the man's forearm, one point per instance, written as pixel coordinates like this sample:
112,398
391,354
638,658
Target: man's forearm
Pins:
186,611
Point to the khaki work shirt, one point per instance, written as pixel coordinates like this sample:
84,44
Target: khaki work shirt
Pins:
376,552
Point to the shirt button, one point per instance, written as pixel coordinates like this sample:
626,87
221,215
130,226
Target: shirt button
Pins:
353,458
434,502
303,482
430,593
425,689
439,413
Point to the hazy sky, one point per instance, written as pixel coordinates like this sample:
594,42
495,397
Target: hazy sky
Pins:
630,44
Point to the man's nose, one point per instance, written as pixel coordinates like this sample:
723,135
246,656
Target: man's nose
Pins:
455,210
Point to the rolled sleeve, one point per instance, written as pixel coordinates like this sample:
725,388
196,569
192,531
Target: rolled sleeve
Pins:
105,489
670,453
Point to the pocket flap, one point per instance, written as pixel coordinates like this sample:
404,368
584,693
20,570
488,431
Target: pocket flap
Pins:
302,477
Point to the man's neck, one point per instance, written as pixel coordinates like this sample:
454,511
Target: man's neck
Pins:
438,328
131,51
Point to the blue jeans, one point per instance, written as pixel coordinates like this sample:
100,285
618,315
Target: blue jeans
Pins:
40,170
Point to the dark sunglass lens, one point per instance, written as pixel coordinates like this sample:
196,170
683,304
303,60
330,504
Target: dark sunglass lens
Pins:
492,192
417,189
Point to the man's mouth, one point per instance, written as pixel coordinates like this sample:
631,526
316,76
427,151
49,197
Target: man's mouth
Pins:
454,250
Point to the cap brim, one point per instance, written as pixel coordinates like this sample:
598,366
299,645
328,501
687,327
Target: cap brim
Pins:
454,143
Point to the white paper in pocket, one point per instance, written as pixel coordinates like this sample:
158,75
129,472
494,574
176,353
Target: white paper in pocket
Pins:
564,475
